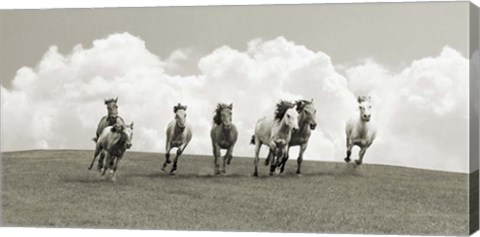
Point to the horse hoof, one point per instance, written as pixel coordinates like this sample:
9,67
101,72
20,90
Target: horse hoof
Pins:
172,173
255,174
347,159
168,161
358,162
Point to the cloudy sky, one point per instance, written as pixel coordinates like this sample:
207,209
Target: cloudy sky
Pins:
59,65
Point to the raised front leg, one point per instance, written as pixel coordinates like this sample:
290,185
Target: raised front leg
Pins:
361,153
100,161
216,156
303,147
227,158
179,153
282,168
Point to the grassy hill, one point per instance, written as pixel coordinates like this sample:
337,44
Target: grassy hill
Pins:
54,188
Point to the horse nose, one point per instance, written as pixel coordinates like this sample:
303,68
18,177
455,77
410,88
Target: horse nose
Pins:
313,126
129,145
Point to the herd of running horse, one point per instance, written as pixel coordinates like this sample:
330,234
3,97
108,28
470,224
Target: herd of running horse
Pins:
291,125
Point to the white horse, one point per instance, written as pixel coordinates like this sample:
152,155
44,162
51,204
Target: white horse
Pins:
360,131
276,134
114,140
179,134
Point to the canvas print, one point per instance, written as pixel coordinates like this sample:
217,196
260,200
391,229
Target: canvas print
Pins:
311,118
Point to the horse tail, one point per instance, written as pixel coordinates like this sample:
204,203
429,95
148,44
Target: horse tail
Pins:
252,141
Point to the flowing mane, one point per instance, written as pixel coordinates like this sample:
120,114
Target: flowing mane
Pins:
111,100
282,108
179,107
301,104
217,117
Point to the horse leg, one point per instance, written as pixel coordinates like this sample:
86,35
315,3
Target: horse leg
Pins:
229,154
167,158
100,161
115,166
108,157
258,145
361,153
282,167
216,155
97,151
273,154
267,160
349,150
179,153
303,147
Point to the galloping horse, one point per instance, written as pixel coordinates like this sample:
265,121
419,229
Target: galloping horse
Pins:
111,119
360,131
306,123
179,134
224,135
114,140
276,134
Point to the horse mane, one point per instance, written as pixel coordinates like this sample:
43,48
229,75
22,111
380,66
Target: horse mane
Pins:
179,107
217,117
361,99
301,104
282,108
111,100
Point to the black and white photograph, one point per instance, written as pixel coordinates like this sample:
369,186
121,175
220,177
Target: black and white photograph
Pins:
338,118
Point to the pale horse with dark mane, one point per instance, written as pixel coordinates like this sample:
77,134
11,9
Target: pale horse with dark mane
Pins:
179,134
224,135
306,123
114,141
360,131
111,119
276,134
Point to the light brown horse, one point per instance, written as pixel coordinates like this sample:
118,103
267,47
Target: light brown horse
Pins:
360,131
276,134
111,119
114,141
224,135
179,134
306,123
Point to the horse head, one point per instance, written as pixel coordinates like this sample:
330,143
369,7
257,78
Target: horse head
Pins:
112,108
306,109
291,119
180,115
365,106
286,113
128,130
223,115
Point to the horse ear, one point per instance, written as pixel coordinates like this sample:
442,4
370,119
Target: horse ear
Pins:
230,105
116,99
131,125
311,101
185,107
105,101
360,99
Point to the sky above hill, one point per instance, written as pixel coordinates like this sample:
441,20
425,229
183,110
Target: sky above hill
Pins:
59,65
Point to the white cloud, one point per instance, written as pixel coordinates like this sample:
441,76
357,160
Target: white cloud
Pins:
421,112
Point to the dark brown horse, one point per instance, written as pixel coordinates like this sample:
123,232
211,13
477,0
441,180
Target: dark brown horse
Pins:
224,135
111,119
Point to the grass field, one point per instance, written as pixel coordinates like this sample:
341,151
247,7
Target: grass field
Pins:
55,189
